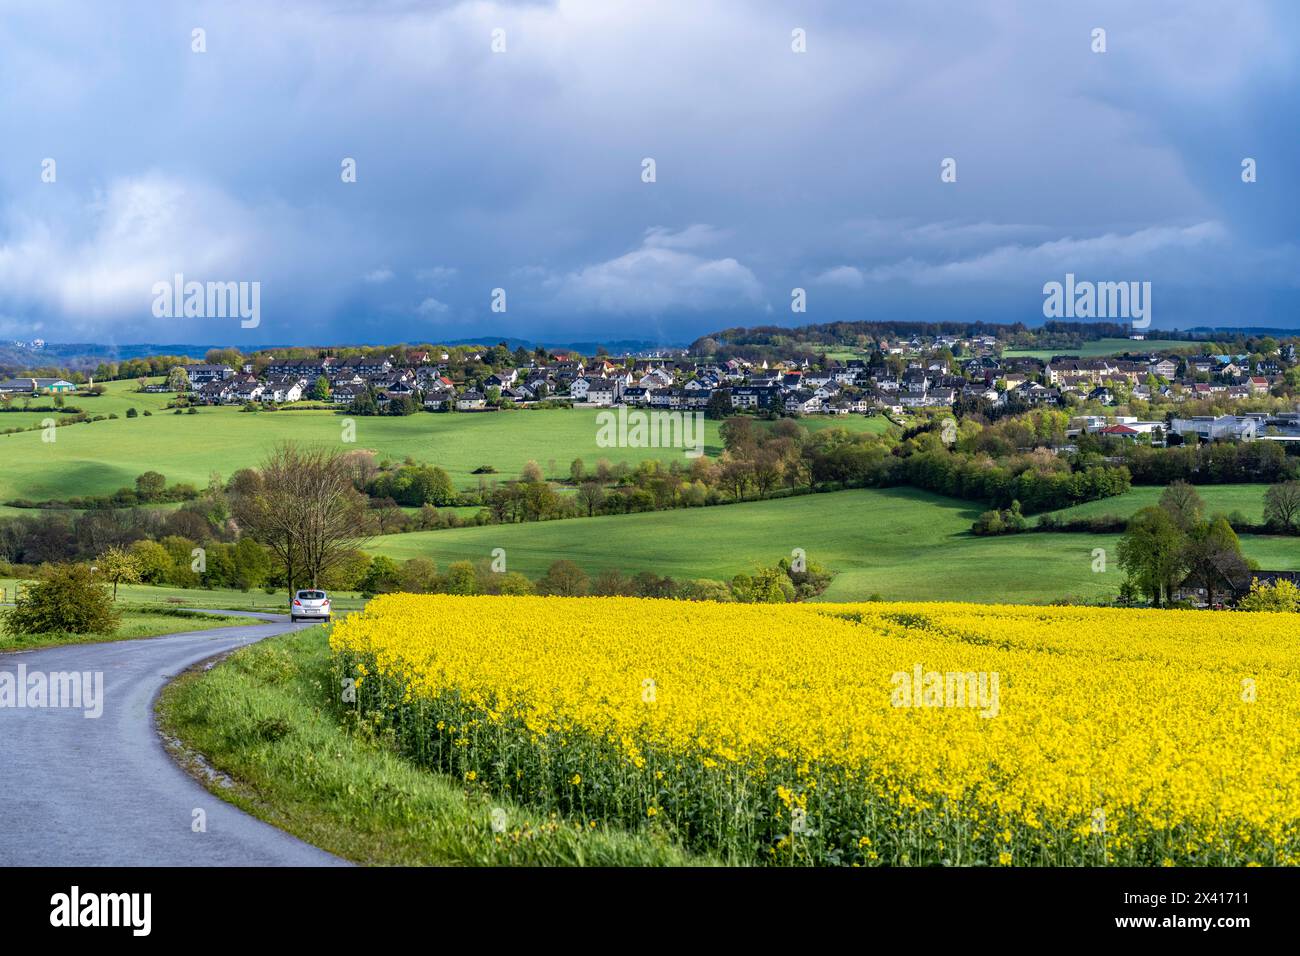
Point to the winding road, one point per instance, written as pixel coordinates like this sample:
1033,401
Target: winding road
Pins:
104,792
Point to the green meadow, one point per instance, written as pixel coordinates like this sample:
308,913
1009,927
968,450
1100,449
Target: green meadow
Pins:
899,543
100,457
1248,499
116,400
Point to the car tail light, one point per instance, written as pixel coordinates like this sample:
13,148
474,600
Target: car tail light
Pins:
297,602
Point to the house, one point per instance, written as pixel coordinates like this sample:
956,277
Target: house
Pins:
439,399
978,390
310,369
1120,431
365,367
284,389
346,394
215,393
1035,394
246,389
202,373
803,402
1165,368
385,396
37,386
1232,586
471,401
595,391
755,396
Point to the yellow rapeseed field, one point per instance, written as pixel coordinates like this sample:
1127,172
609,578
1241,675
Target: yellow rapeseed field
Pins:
857,734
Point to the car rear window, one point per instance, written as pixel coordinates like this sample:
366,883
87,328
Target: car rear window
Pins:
311,595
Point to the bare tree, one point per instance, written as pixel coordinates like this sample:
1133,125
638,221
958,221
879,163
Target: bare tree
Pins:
1282,505
304,506
591,495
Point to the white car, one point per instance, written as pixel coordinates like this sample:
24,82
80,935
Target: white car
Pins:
313,605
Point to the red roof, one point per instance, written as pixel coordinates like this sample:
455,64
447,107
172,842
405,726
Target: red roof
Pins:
1119,430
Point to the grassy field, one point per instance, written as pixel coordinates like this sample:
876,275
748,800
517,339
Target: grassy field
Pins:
117,398
100,457
260,720
1248,499
136,622
900,543
1100,347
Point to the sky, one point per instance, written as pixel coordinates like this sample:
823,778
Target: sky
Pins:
501,178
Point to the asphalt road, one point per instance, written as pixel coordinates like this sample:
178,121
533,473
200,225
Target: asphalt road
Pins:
76,791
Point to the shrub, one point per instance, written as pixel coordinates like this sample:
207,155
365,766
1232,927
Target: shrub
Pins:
66,598
1281,595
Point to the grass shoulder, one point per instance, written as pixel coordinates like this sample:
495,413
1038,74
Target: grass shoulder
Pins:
272,745
136,622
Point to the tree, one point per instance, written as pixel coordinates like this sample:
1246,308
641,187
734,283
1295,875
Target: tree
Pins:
118,566
462,578
383,577
1282,506
252,564
65,598
150,485
152,559
1213,558
514,583
563,578
1182,503
226,356
303,506
591,496
178,380
738,435
1151,553
364,404
532,473
320,389
419,576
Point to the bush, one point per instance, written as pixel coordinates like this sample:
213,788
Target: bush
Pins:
1010,521
1281,595
66,598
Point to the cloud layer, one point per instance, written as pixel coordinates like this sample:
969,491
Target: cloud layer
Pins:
523,169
